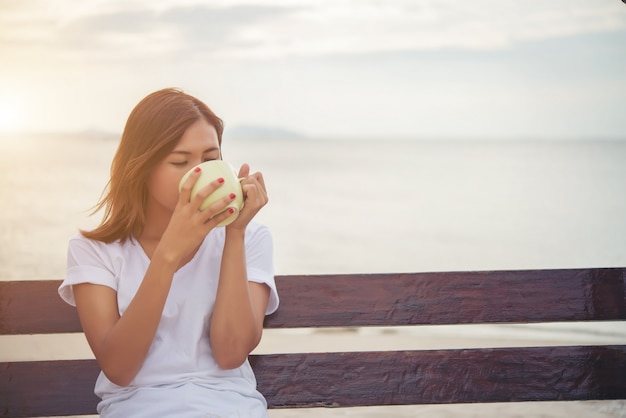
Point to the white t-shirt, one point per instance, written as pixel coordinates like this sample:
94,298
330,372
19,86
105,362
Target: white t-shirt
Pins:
179,376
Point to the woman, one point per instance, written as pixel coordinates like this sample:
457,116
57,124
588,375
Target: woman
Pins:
171,304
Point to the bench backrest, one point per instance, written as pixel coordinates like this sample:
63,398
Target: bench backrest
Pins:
65,387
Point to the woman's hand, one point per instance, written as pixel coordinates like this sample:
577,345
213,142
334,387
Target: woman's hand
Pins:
254,195
189,225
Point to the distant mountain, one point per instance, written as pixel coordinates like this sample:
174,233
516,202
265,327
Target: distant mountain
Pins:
259,131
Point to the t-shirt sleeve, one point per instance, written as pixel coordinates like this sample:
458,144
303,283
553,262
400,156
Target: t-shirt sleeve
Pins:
88,261
260,262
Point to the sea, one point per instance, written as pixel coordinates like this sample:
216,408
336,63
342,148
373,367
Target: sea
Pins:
365,205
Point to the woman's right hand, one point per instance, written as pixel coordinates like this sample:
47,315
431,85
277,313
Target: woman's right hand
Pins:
189,225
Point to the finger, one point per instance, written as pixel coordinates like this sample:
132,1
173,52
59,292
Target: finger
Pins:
244,171
217,206
219,218
254,193
206,191
259,177
187,186
260,182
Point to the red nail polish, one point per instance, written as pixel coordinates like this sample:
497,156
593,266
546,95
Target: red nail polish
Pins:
231,210
220,180
198,169
233,195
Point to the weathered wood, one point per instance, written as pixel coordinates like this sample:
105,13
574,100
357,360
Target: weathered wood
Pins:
442,376
360,379
48,388
34,307
31,307
451,298
45,388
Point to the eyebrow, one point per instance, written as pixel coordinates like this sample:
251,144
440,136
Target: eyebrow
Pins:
189,153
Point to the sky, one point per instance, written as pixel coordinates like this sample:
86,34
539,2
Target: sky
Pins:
322,68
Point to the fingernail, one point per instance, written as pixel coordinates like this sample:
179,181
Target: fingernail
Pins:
231,210
233,195
220,180
198,169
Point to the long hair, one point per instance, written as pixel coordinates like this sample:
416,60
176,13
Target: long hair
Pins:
152,130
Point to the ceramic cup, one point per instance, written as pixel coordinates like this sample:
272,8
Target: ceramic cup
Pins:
212,170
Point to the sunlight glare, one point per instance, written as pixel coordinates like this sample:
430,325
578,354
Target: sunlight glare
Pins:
10,117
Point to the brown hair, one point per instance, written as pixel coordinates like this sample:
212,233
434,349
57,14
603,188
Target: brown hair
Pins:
152,130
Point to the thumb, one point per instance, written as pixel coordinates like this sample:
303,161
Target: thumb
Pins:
244,171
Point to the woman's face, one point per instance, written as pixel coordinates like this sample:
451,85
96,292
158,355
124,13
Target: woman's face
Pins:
198,144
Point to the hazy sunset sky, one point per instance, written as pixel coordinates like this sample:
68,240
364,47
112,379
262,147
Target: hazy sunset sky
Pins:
325,68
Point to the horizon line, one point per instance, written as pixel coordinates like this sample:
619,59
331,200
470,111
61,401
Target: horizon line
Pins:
297,136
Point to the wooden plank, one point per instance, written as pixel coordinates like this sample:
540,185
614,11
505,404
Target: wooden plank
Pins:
359,379
34,307
48,388
442,376
523,296
31,307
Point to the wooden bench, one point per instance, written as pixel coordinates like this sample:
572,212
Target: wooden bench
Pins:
344,379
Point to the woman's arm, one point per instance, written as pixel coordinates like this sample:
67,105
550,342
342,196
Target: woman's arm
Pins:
121,343
239,310
237,321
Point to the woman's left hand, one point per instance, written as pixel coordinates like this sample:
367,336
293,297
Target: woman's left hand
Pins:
254,197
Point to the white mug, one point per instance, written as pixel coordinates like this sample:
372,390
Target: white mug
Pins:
212,170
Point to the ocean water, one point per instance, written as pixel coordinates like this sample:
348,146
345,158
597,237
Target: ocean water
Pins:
356,206
364,206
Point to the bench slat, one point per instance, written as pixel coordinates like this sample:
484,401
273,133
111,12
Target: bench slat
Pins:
442,376
31,307
451,298
34,307
47,388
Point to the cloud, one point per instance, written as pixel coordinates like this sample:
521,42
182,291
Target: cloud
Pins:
270,29
130,33
414,67
362,27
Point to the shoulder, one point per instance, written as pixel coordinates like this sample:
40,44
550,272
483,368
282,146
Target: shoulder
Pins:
91,261
79,241
81,248
258,234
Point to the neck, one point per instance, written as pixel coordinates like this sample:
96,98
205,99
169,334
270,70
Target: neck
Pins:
157,219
